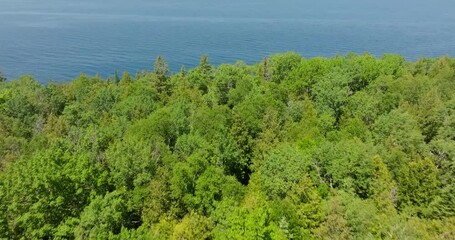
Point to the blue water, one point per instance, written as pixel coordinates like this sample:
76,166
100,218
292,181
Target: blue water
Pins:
58,39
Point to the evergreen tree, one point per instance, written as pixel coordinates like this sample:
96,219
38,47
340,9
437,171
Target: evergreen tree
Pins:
116,78
2,77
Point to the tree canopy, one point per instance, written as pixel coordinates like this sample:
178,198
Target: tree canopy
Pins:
350,147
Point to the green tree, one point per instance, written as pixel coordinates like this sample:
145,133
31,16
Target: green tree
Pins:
335,226
418,186
126,78
331,94
161,69
202,75
279,66
116,77
2,77
46,190
103,217
193,226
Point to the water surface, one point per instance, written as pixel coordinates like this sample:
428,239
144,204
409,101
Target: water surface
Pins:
58,39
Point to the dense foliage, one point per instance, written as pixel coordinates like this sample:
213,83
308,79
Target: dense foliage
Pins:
351,147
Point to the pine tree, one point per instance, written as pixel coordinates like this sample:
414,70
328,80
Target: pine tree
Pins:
2,77
116,78
205,65
126,78
161,68
161,71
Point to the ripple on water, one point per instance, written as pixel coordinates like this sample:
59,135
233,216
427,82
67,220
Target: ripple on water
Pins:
58,39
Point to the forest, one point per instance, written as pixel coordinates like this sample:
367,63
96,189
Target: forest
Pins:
349,147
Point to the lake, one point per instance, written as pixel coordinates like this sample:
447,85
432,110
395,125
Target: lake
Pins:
58,39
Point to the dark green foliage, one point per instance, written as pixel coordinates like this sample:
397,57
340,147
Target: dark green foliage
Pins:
2,77
162,84
352,147
116,77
